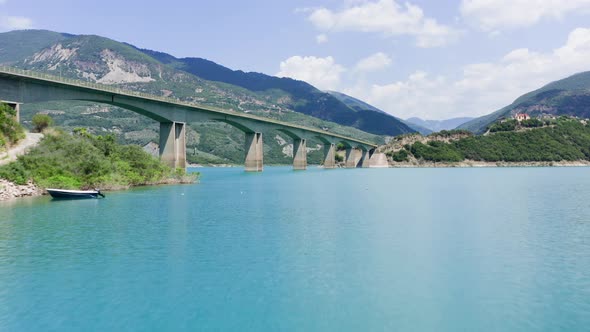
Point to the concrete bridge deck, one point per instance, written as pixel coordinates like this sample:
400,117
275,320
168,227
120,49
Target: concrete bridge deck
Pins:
20,86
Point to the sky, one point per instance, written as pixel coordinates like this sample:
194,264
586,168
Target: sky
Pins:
432,59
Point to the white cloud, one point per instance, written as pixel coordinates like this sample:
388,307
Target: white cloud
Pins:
323,73
482,87
386,17
321,38
15,22
492,15
2,2
375,62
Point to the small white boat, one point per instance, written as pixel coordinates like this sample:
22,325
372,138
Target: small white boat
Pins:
74,194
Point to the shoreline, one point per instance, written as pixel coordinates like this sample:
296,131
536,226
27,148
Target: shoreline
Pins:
10,191
484,164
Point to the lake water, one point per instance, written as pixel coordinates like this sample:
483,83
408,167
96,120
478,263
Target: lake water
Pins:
494,249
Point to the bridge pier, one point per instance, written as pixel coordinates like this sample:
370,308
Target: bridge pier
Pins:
254,152
173,144
330,155
16,107
299,154
351,158
365,161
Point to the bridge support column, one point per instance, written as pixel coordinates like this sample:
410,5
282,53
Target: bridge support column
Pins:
173,144
254,152
365,159
351,158
16,107
330,155
299,154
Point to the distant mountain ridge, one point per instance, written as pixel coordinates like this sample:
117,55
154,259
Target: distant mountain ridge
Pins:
438,125
569,96
306,98
361,106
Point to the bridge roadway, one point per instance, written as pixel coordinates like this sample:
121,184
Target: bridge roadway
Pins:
19,86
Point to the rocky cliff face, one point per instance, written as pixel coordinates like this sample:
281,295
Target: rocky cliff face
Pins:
398,143
109,68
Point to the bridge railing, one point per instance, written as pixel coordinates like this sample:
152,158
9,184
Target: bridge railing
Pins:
96,86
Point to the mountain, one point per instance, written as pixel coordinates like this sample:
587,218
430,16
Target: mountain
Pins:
98,59
438,125
16,45
303,97
106,61
569,96
371,111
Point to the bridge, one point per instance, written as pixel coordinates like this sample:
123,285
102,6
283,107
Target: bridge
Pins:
22,86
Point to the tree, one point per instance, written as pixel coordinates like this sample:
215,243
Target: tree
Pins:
41,122
10,130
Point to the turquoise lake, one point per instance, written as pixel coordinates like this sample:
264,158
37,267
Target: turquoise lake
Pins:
491,249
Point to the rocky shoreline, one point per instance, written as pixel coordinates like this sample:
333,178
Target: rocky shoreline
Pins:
474,164
9,190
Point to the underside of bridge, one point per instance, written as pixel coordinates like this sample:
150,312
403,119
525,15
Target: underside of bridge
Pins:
173,117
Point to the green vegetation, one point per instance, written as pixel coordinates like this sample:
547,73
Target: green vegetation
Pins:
399,156
41,122
566,140
512,124
10,131
436,151
451,133
508,125
532,123
81,160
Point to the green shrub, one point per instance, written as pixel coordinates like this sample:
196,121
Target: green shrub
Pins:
437,152
508,125
400,156
41,121
532,123
59,181
10,130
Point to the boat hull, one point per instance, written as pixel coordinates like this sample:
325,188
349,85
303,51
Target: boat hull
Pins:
74,194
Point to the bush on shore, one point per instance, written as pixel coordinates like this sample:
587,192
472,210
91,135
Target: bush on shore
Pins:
41,122
82,161
10,130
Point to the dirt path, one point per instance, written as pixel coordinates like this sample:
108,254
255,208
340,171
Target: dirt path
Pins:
28,142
